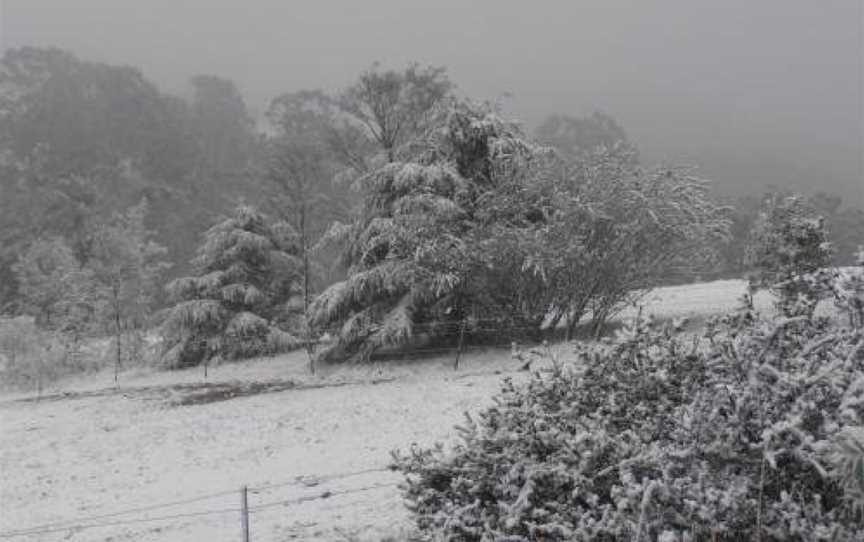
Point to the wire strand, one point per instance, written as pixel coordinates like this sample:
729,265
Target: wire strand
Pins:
75,523
131,510
320,496
79,527
285,502
305,480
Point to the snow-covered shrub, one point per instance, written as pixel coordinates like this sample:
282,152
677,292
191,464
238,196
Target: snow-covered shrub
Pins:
849,291
849,465
658,436
789,247
616,230
30,357
55,289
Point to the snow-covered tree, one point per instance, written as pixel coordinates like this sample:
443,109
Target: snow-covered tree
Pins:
849,291
619,230
240,301
393,107
127,264
577,138
55,288
298,164
474,221
790,243
300,169
410,250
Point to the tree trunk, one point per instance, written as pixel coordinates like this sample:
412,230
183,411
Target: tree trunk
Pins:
599,321
117,333
304,247
536,329
573,318
553,323
39,374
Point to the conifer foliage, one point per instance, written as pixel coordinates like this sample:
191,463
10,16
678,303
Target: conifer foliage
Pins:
474,223
409,249
241,297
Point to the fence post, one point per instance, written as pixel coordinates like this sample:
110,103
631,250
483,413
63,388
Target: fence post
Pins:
244,512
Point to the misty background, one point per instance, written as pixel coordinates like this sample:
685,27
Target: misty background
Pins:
238,252
753,93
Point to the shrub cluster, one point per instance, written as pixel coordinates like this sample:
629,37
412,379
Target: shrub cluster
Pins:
655,435
32,357
790,249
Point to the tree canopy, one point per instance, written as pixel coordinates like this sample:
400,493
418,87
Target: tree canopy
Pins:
473,220
408,250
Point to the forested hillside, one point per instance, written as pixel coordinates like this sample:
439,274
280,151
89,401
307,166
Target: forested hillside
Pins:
412,210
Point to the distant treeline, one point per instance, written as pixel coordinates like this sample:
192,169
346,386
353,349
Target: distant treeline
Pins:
101,172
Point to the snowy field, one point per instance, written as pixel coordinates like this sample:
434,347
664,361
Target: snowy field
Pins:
87,449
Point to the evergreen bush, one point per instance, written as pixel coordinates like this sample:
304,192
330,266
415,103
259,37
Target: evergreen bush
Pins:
656,436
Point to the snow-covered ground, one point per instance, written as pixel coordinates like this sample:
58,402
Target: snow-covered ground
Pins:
697,301
88,449
73,457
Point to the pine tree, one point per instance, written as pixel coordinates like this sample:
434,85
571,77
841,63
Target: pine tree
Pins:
410,249
240,300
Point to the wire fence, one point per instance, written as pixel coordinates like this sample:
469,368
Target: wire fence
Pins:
484,337
121,517
430,339
77,524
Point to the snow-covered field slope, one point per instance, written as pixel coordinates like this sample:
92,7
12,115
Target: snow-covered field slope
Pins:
73,457
88,449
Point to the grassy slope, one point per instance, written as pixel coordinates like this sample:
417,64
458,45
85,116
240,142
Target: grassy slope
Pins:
94,454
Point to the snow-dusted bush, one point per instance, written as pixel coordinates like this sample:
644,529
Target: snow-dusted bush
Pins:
616,230
849,291
789,245
30,357
55,289
658,436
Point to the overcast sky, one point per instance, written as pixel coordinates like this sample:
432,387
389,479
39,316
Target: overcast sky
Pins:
752,91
